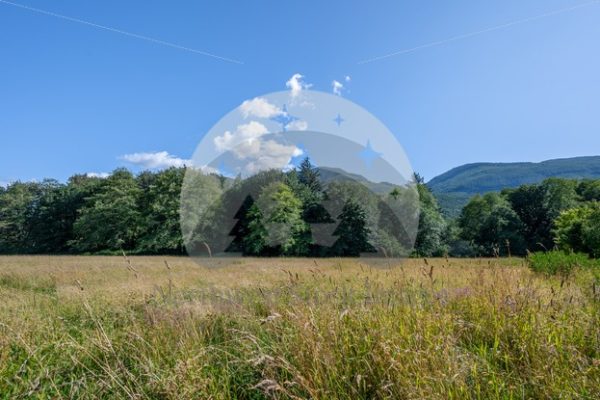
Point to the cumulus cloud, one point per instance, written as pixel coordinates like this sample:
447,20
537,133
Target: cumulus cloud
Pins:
243,133
297,125
260,108
269,154
296,84
97,175
156,160
347,78
337,87
253,151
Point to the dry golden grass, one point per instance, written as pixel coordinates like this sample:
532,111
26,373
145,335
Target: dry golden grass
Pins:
167,328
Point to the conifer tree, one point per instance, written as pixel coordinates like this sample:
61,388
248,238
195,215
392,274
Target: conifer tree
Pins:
247,221
309,175
352,232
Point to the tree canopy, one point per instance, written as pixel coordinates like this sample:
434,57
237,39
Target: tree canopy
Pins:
291,213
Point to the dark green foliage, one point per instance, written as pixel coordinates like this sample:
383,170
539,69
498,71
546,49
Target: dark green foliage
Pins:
308,175
589,190
249,233
457,245
217,226
16,208
418,178
352,232
431,240
492,226
241,229
256,240
591,232
159,207
110,220
556,212
578,229
274,213
538,206
88,214
569,229
451,204
53,218
305,212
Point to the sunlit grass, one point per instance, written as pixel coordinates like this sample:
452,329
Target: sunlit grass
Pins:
89,327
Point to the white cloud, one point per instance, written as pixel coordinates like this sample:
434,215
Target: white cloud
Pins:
259,107
97,175
337,87
347,78
256,153
266,155
156,160
296,84
298,125
243,133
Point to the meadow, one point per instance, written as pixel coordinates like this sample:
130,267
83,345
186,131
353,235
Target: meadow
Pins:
167,328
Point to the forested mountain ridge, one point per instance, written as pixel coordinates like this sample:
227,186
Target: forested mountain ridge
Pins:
334,174
455,187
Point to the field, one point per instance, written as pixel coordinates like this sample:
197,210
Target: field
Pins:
166,328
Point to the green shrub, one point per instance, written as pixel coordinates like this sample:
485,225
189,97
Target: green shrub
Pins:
578,229
559,262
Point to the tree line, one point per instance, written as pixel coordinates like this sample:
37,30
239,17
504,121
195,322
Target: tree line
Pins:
280,213
288,213
555,214
93,215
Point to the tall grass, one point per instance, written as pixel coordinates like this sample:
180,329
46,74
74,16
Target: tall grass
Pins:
448,329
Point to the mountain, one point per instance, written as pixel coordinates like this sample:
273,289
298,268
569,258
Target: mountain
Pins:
328,174
455,187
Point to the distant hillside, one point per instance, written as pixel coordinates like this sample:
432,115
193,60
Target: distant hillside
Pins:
335,174
454,188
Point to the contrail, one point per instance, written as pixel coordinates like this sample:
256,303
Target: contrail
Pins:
469,35
130,34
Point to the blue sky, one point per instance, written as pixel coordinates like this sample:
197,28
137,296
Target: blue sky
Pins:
74,98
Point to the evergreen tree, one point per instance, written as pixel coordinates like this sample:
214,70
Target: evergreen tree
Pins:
352,232
255,242
310,176
248,232
240,229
